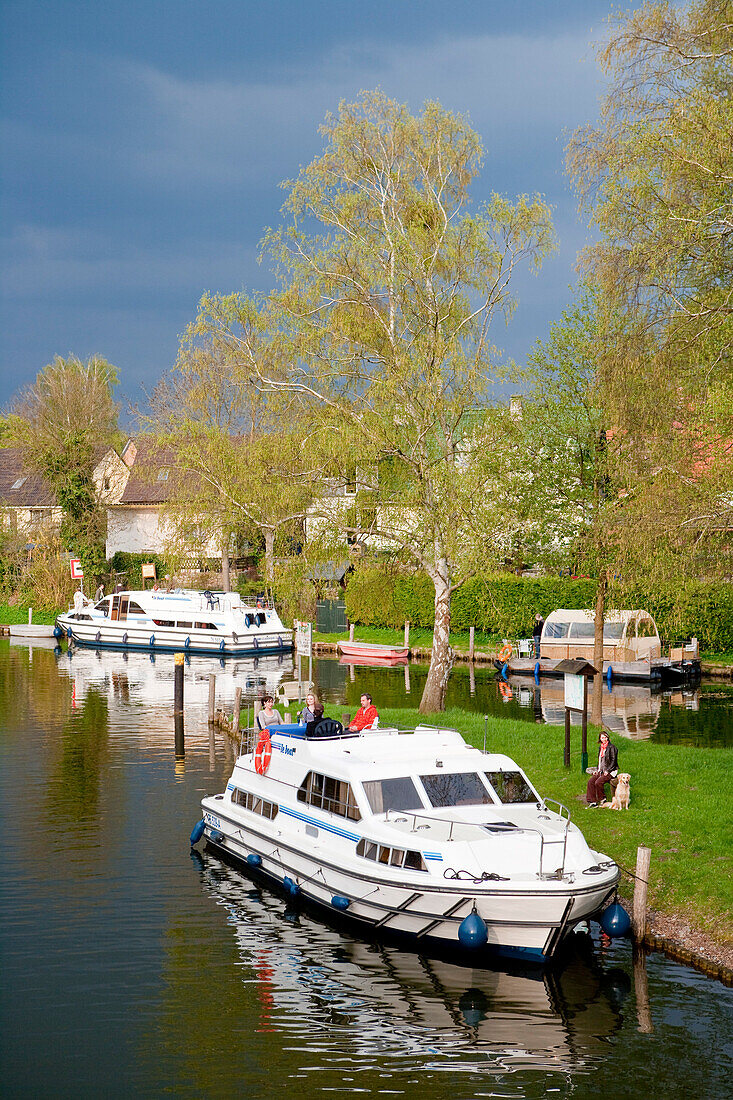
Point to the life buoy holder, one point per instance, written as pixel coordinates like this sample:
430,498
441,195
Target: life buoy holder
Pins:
263,753
505,652
505,691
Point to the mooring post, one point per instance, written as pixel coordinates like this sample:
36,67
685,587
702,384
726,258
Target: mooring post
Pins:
180,746
351,632
407,633
30,616
641,991
237,708
471,632
566,756
212,696
641,884
178,683
472,678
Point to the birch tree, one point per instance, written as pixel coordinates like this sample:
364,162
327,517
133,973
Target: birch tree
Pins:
389,285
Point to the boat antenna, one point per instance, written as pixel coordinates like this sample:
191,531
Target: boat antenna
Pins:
486,722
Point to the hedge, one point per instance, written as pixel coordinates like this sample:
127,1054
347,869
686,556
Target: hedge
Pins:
505,605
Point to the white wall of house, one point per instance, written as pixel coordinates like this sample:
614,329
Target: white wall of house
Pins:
139,529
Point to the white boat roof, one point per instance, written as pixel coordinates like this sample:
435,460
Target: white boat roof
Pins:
573,615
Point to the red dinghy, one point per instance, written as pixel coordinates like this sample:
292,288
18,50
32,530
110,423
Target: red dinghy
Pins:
372,652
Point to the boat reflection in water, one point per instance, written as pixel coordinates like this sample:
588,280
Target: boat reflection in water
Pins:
630,710
410,1008
130,677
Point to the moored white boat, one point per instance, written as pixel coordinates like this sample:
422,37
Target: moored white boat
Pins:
178,620
412,833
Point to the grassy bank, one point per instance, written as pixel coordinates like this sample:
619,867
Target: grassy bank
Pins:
10,615
680,808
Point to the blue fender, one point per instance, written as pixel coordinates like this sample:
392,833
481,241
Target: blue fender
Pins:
197,832
338,901
291,886
58,631
222,645
99,636
69,632
187,643
152,639
124,638
609,676
248,620
254,860
615,921
537,673
472,931
504,671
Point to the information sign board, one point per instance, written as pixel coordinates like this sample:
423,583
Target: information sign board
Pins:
574,691
304,638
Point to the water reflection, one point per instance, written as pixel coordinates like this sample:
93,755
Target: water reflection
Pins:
337,995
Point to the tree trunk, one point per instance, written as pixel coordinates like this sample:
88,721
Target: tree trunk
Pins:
597,705
225,570
269,556
441,660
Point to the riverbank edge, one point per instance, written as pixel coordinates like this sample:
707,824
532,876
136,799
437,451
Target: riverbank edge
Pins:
668,934
482,657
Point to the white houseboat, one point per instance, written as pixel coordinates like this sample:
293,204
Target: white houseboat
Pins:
632,649
177,620
411,833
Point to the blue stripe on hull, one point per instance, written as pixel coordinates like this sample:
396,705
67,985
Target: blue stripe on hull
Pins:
240,651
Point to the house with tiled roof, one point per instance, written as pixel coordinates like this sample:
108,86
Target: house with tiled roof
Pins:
28,503
137,521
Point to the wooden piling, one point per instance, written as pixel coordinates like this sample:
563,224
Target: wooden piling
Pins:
641,991
212,696
237,708
407,633
566,754
178,661
471,632
351,632
641,884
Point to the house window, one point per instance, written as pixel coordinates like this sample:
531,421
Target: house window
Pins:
36,516
19,483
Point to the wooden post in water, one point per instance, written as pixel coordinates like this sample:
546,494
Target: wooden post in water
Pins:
178,683
407,633
351,632
641,883
212,696
471,632
30,616
641,990
237,708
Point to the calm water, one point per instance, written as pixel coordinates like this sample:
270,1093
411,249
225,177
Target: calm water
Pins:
132,967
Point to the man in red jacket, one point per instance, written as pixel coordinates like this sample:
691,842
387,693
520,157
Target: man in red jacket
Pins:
365,715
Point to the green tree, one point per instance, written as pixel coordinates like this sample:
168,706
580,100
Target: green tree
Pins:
389,285
243,465
61,423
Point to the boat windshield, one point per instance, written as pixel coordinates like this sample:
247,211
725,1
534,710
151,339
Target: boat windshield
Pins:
455,789
392,794
511,787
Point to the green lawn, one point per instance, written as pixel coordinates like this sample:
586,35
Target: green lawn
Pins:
680,808
11,615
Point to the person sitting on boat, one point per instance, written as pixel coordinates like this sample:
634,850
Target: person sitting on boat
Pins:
307,714
268,716
320,726
606,771
366,715
539,623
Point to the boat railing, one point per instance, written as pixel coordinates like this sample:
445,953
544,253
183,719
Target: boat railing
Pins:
463,830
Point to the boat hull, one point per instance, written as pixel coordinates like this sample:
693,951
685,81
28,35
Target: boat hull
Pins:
658,670
125,636
372,653
526,922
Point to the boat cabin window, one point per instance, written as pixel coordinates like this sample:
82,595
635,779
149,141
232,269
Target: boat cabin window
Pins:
335,796
612,632
556,630
103,606
256,805
511,787
164,622
205,626
582,630
392,794
395,857
455,789
645,628
135,609
186,626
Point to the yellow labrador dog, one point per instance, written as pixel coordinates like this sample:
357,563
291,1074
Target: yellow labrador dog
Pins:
622,794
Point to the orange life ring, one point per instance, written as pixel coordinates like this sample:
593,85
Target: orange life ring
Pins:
505,691
505,652
263,753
